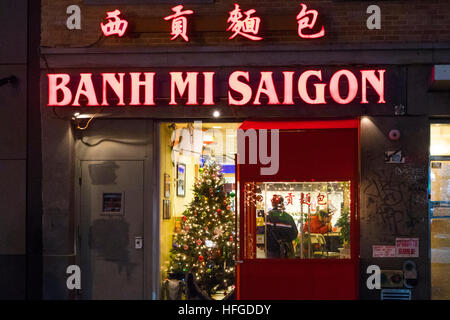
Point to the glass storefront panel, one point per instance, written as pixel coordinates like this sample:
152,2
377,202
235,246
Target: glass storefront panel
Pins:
440,139
440,211
197,218
303,220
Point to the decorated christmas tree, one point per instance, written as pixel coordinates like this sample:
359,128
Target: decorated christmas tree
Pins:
204,245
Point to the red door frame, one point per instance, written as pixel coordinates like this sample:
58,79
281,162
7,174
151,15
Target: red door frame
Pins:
294,278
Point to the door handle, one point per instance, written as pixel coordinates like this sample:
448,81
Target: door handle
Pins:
138,242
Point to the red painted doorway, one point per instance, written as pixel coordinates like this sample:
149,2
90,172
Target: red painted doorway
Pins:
312,195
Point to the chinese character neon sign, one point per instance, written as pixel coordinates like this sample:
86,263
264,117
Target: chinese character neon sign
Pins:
179,22
115,25
247,27
306,19
137,88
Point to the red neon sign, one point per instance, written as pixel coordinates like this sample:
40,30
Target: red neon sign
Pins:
179,22
137,88
115,25
247,27
306,19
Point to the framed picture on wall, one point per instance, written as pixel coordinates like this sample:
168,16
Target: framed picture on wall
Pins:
166,209
166,185
181,179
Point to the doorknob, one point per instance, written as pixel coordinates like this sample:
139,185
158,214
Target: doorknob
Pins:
138,242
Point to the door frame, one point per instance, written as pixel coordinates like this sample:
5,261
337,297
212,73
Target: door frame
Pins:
150,211
353,262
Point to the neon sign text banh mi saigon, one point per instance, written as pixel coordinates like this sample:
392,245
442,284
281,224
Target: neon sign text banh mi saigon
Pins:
342,87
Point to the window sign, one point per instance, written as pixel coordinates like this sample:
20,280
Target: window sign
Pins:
302,220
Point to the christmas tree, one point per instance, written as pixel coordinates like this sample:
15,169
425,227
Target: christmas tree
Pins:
204,245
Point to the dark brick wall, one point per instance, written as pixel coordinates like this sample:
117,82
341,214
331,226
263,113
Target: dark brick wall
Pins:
412,21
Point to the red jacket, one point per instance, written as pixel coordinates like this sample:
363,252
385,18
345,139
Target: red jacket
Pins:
317,226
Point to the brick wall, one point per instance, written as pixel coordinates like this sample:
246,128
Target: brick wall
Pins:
412,21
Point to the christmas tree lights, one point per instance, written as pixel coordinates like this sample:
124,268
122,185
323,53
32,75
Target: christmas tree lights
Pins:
205,244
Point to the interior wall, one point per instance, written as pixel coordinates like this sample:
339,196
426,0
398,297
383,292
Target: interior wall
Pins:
168,163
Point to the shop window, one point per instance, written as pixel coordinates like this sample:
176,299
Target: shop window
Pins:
197,230
303,220
440,210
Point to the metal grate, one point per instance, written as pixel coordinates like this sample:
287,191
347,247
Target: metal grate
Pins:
395,294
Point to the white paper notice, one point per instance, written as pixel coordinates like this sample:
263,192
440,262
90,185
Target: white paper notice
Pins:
383,251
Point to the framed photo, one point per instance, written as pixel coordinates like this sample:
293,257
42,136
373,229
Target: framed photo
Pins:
166,209
181,179
112,203
166,185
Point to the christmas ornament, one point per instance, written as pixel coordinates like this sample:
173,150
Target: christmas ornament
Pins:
199,242
219,211
201,258
185,247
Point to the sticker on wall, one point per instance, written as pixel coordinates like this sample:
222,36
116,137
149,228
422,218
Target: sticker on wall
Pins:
394,157
407,247
391,278
383,251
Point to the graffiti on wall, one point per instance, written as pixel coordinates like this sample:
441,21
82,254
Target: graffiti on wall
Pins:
396,198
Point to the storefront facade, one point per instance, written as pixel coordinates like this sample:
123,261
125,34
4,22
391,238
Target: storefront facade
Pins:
353,108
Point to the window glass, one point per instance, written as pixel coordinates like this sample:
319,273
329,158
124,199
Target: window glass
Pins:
440,188
197,214
304,220
440,139
440,210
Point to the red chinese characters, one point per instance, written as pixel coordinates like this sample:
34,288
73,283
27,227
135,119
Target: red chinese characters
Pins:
115,25
290,198
247,27
138,88
306,19
305,198
179,22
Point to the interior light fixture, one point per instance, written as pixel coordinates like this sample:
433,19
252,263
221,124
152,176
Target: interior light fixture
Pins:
216,114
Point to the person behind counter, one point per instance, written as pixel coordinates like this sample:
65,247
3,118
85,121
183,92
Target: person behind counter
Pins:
320,223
